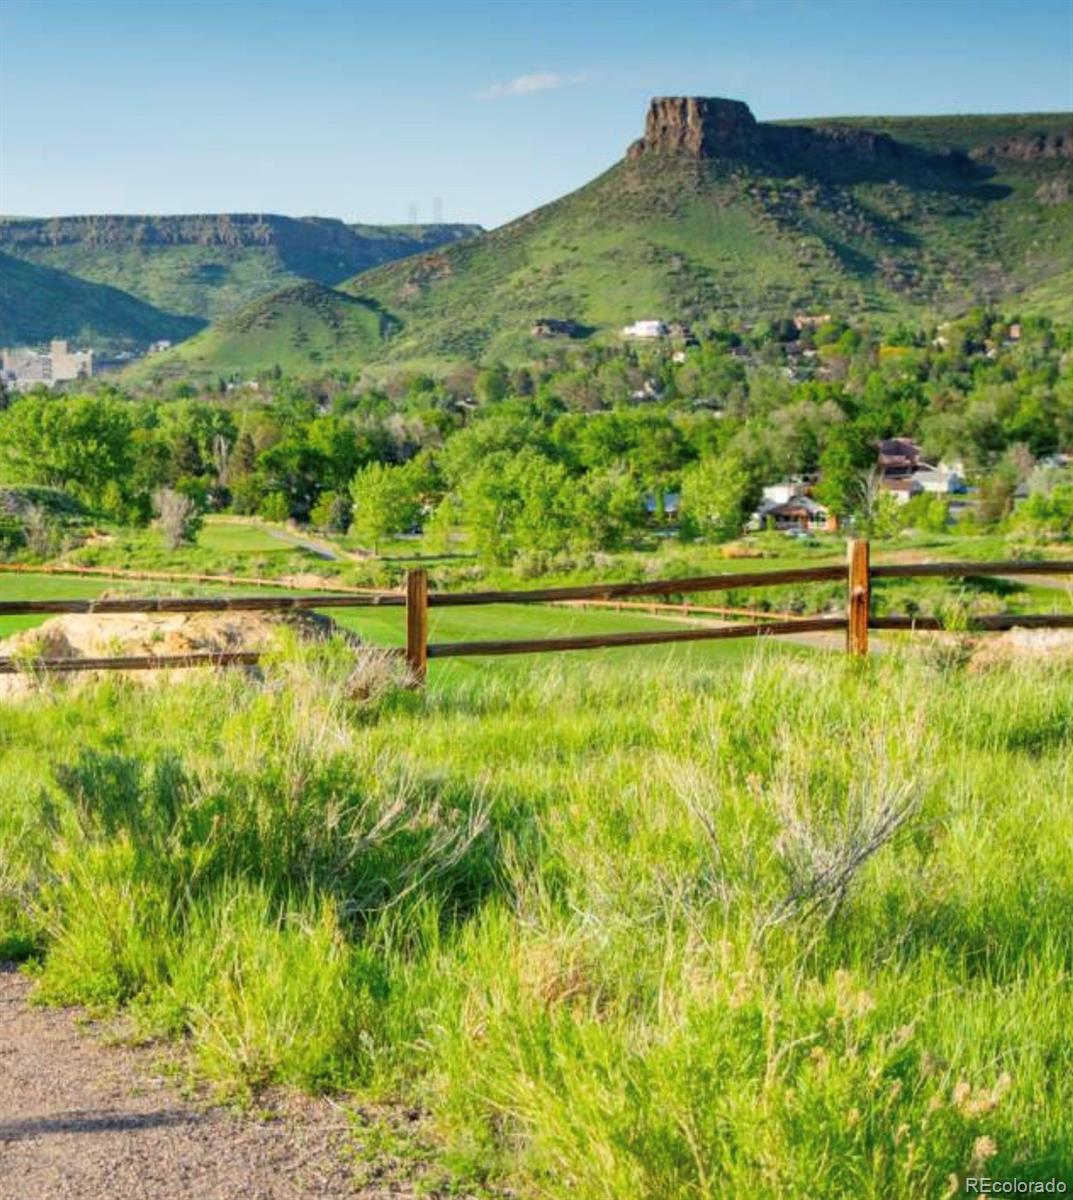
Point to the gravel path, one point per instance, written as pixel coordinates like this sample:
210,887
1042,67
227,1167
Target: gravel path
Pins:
85,1120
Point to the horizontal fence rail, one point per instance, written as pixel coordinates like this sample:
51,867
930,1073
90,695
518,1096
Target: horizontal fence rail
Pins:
134,576
191,604
981,624
130,662
965,569
651,587
641,638
857,574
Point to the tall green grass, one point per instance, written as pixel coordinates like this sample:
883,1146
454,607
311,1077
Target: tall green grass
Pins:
621,933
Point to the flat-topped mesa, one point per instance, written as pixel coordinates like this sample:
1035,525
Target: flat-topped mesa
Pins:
704,127
712,127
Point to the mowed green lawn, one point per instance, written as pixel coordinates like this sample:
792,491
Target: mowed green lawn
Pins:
42,587
231,537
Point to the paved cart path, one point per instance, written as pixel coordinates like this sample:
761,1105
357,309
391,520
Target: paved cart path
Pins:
81,1119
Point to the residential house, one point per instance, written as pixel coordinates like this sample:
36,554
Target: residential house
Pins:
797,513
646,329
901,461
897,457
903,489
941,480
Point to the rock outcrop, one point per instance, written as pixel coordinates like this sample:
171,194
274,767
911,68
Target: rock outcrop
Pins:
1032,148
712,127
705,127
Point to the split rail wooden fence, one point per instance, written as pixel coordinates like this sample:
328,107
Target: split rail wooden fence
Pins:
856,621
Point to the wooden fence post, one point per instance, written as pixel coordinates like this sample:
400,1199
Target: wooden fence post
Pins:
858,597
417,623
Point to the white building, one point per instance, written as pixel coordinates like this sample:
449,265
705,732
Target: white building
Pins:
785,490
940,481
24,368
646,329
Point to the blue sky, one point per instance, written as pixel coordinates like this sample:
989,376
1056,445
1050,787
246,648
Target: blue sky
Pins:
357,109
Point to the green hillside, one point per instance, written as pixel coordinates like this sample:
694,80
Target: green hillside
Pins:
741,237
305,326
209,266
38,303
713,217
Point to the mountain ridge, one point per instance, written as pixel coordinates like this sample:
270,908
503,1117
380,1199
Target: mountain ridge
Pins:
713,217
231,228
208,265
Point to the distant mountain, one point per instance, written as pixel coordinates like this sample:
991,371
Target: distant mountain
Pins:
38,303
209,266
713,216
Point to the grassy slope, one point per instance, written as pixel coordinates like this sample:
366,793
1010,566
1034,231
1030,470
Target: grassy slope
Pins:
38,303
549,937
239,538
645,239
304,327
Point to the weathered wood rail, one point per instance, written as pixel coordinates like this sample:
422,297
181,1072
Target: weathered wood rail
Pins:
131,662
858,574
684,609
136,576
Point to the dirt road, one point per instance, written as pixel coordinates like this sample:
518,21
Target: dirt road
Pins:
84,1120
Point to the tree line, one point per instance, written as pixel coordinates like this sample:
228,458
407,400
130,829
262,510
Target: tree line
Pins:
579,451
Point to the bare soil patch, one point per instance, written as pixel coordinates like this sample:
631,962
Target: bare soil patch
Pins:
1052,645
82,1119
103,635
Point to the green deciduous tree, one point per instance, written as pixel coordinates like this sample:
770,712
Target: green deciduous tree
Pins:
386,501
718,493
333,512
79,443
845,464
